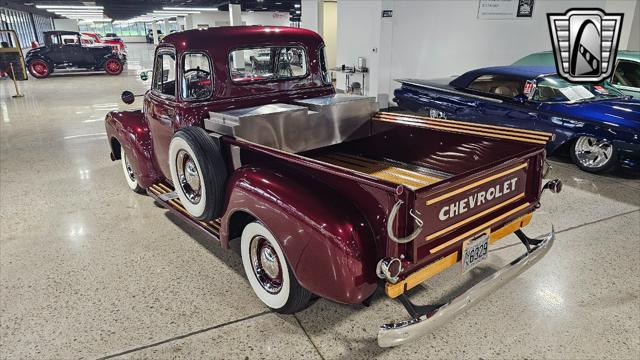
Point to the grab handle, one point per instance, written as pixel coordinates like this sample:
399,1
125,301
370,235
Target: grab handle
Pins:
391,220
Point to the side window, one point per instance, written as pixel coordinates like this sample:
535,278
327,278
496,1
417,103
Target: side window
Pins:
164,73
69,39
54,39
627,74
500,85
267,63
197,81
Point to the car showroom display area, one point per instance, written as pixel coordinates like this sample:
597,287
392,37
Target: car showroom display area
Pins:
86,259
175,188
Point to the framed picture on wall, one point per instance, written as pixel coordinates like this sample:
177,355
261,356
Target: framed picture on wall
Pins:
525,8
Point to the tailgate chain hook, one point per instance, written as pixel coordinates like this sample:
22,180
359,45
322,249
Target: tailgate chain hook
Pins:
392,216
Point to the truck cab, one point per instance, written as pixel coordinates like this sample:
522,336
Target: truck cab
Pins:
242,135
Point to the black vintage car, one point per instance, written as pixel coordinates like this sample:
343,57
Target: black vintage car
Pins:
65,49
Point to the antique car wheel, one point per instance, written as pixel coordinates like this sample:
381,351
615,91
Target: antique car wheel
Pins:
129,175
39,69
198,172
113,67
269,273
593,155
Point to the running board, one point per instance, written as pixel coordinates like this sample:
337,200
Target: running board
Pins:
167,197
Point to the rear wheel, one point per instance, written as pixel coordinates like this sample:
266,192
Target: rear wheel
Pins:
593,155
268,272
113,67
39,69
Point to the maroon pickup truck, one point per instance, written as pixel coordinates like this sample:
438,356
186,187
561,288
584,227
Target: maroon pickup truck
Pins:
244,137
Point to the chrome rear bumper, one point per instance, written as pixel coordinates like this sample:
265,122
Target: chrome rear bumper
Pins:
398,333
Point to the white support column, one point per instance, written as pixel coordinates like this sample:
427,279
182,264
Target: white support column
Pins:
154,31
188,22
312,15
166,26
235,18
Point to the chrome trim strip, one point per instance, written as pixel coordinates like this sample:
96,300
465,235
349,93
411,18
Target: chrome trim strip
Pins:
394,334
403,81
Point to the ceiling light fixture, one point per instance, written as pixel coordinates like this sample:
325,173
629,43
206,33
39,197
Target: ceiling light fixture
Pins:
68,7
188,9
175,12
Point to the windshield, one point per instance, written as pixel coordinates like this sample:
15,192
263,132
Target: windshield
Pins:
555,89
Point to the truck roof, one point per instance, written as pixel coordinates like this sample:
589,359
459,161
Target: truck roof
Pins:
227,37
60,32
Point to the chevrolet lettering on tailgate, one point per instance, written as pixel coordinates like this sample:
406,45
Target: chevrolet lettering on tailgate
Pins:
477,199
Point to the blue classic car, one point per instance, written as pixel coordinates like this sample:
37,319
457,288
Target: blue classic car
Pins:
597,124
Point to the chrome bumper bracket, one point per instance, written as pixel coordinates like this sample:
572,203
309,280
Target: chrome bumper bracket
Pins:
428,317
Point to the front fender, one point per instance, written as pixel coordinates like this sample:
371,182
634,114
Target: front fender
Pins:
131,134
39,56
326,240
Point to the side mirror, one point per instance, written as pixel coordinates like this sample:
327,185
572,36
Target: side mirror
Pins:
520,98
128,97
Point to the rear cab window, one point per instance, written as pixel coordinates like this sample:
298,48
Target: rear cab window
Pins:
268,63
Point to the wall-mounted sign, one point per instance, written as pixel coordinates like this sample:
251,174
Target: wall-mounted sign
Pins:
387,13
504,9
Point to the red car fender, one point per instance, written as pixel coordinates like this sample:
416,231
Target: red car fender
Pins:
128,131
328,243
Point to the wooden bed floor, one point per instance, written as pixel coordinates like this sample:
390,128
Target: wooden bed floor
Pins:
384,170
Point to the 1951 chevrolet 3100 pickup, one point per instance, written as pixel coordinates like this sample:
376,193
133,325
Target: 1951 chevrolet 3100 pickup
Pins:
243,136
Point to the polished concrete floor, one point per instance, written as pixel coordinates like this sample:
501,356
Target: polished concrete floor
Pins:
89,269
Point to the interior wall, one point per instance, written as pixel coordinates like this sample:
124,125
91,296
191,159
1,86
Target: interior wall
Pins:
440,38
221,18
359,28
266,18
66,24
330,31
634,37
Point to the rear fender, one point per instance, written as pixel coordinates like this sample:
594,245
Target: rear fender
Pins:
107,57
129,131
326,240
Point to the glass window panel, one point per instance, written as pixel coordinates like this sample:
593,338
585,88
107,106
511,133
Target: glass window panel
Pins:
267,63
196,77
164,74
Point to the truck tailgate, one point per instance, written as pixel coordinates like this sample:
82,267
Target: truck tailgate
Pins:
463,208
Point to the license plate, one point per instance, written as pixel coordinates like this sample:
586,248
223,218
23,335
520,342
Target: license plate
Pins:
474,252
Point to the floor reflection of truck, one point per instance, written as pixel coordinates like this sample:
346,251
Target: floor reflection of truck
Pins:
327,196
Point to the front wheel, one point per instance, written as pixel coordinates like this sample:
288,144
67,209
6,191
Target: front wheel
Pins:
129,175
113,67
269,273
593,155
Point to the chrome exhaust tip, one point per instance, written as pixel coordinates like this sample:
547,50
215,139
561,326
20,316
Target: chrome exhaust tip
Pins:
389,269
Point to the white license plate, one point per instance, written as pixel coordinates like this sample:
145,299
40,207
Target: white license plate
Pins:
474,252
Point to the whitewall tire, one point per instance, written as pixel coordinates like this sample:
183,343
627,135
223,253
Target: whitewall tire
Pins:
198,172
269,274
129,175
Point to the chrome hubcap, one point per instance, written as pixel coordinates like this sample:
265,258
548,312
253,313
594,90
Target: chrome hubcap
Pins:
130,173
266,265
593,153
188,176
